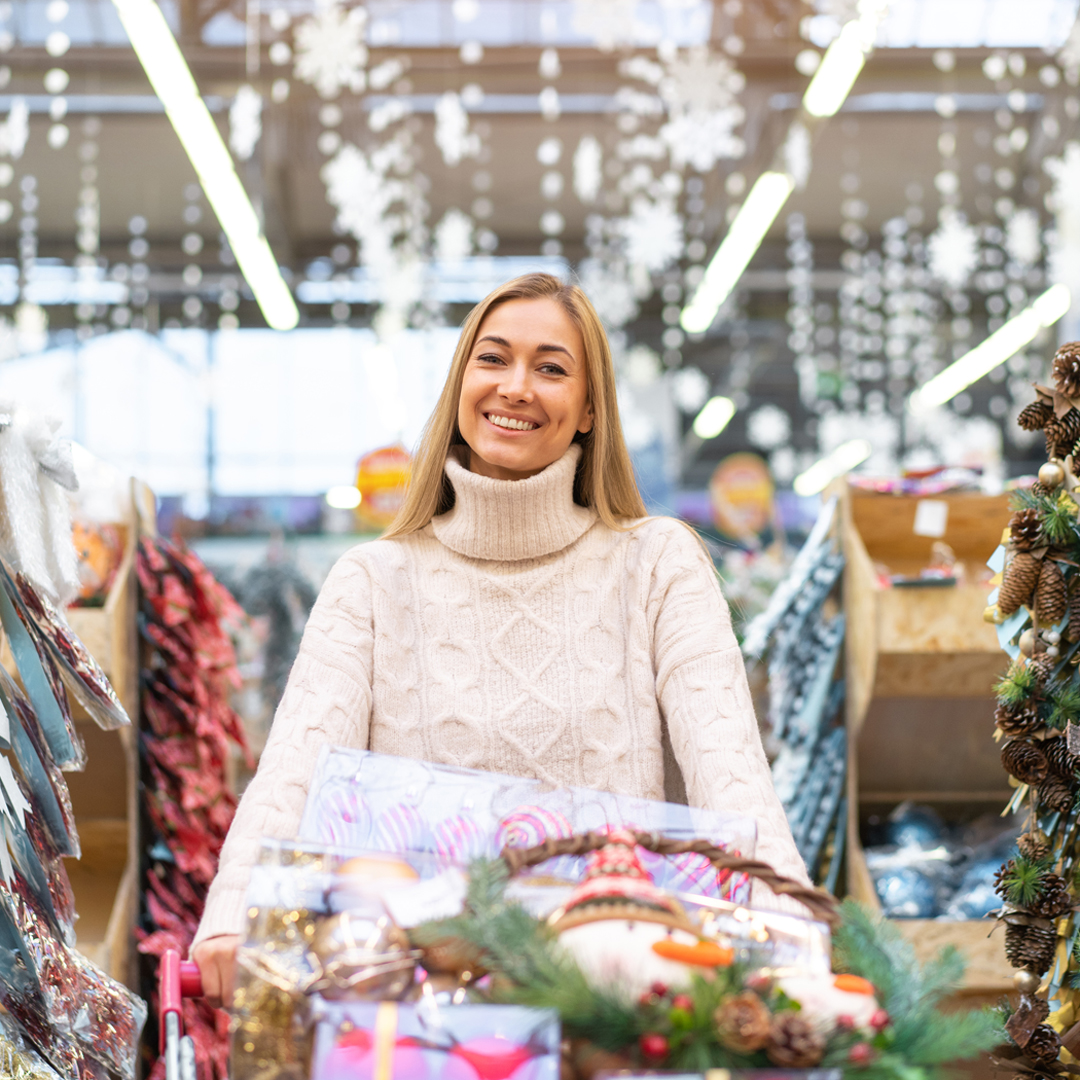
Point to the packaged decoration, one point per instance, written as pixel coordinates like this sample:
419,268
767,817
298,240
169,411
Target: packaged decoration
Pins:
100,548
367,801
18,1059
355,1040
80,671
110,1020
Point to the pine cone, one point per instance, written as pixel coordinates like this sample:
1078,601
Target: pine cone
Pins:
1024,760
1035,417
1055,795
1025,529
1072,631
1032,846
1020,719
1043,1047
1061,434
1018,583
1066,369
1030,947
1061,761
1039,488
1043,666
1054,900
794,1043
1051,594
743,1022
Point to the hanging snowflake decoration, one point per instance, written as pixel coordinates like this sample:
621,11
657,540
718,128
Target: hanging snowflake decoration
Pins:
768,427
245,122
653,234
690,388
588,174
609,23
609,288
15,130
1022,238
454,237
330,50
953,251
452,135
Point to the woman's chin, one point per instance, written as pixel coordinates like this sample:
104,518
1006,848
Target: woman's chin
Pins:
506,463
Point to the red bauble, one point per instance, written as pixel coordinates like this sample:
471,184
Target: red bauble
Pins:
861,1054
493,1057
845,1023
654,1046
683,1001
659,989
880,1020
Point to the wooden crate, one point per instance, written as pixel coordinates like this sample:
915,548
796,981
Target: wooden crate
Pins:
105,796
920,665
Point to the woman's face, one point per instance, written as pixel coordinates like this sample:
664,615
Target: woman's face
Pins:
524,394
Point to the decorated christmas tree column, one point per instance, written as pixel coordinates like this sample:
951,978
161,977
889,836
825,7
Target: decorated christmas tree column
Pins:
1037,610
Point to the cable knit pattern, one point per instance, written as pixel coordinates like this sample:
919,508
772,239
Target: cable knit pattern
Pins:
519,634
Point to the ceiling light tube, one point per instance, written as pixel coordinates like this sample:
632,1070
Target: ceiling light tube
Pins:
996,349
752,222
715,415
822,473
173,83
836,75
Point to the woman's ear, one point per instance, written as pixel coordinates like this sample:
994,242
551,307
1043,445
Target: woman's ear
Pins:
585,424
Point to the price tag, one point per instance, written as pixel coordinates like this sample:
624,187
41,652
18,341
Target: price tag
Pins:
931,517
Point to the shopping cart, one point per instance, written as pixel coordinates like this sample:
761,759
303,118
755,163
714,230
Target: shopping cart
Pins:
177,979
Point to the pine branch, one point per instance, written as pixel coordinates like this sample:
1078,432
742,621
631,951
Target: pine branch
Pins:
1016,686
1066,706
1059,521
1024,881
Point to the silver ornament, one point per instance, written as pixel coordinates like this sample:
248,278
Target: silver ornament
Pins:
1052,637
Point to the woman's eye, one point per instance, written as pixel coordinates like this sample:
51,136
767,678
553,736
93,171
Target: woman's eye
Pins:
489,358
552,369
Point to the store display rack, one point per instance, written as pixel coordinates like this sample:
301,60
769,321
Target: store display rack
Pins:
921,664
105,796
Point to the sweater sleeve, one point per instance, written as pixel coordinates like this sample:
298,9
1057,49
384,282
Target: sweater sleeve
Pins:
705,700
327,700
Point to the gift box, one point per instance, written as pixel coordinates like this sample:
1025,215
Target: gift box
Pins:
388,1041
360,800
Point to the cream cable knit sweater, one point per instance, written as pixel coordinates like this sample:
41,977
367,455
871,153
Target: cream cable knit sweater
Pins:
517,633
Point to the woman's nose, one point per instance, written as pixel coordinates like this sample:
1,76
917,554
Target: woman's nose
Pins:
516,384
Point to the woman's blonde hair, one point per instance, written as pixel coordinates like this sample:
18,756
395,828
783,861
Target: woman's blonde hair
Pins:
605,476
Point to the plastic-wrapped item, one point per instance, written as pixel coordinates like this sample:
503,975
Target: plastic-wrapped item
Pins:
18,1059
61,1051
42,680
79,670
110,1021
46,784
366,801
361,1040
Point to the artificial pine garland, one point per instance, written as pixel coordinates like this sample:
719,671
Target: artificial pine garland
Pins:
728,1019
1037,718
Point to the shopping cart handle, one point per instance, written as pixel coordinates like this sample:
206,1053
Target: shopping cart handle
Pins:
190,979
177,979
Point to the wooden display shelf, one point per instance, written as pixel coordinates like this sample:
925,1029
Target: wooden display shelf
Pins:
105,796
920,665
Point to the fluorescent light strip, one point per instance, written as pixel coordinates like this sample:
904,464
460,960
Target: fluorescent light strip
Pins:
714,417
996,349
172,81
752,222
834,78
822,473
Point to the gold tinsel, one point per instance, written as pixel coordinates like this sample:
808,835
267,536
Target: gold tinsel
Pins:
1051,595
1018,582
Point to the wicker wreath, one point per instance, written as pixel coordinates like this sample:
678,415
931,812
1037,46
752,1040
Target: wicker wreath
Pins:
822,905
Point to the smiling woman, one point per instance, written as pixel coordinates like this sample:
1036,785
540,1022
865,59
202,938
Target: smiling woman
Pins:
521,615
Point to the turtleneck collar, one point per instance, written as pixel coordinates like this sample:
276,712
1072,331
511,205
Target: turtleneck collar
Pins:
507,520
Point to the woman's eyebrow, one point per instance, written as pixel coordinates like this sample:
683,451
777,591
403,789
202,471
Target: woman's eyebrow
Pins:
539,348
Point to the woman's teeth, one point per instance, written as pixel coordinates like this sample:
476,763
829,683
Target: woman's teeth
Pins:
514,425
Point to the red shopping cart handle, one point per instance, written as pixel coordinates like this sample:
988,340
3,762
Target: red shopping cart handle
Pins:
177,979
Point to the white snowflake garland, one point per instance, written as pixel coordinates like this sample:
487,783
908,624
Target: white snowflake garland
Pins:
330,50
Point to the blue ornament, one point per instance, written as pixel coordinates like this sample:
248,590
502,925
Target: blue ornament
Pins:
915,826
906,894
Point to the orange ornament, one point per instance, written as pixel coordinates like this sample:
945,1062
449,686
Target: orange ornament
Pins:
853,984
703,954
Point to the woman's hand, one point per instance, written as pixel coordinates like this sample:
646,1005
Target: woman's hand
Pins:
216,958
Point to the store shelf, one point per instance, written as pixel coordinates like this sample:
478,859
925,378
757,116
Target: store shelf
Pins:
105,796
920,665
